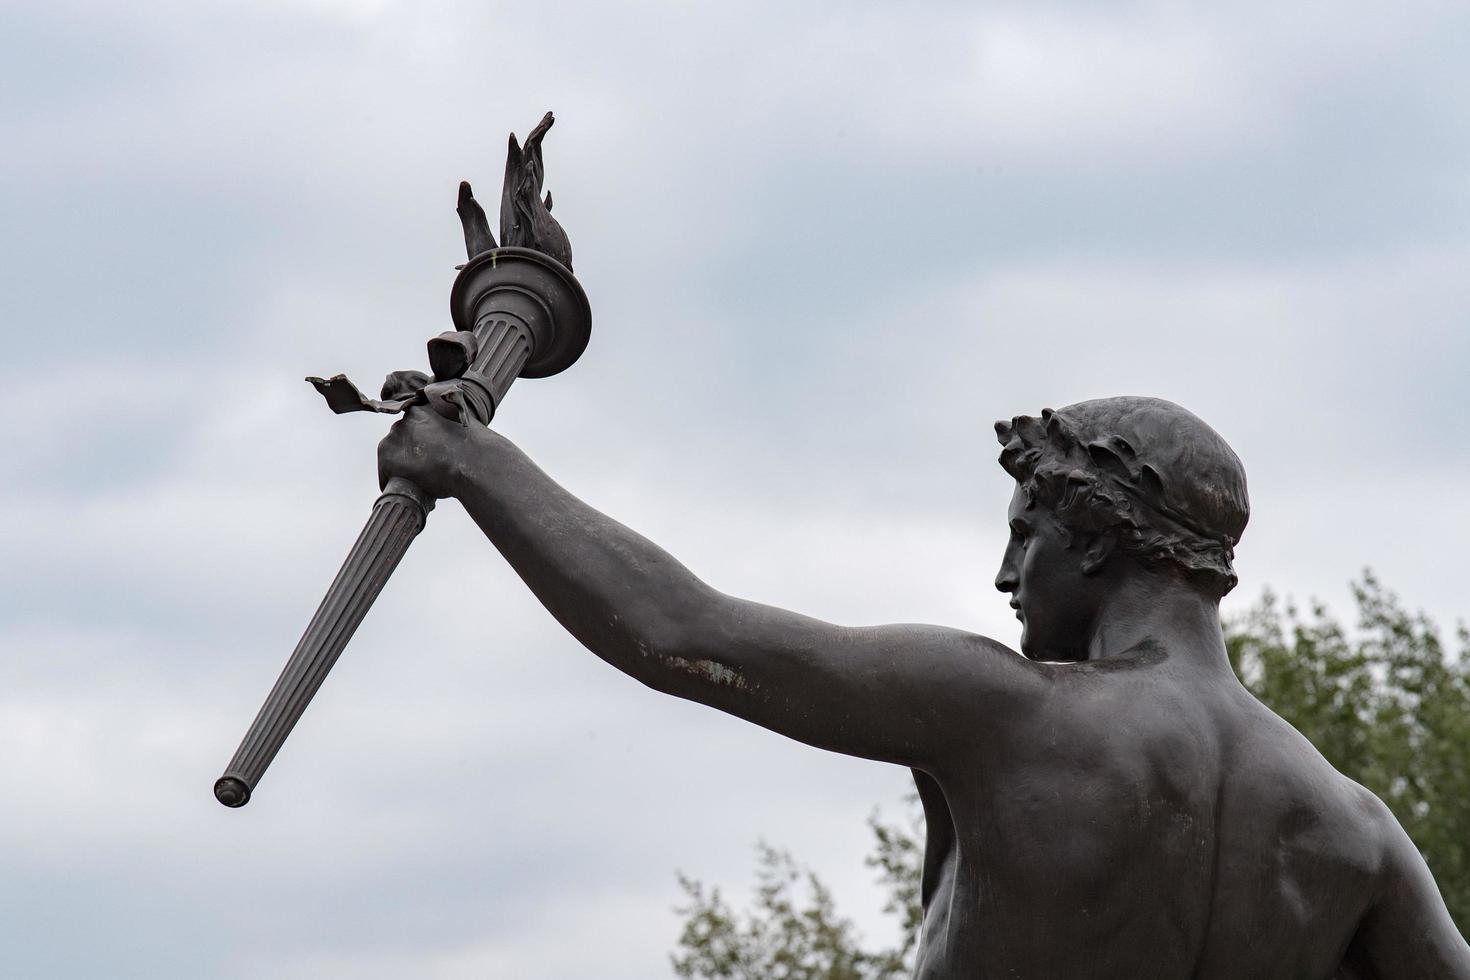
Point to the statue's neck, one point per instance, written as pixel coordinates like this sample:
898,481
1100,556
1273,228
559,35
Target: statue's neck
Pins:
1156,612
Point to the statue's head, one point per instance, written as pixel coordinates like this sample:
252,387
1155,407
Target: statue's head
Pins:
1109,491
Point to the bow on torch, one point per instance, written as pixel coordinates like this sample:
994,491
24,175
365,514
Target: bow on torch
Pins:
518,313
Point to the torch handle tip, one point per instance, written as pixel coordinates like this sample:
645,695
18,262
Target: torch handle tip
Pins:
231,792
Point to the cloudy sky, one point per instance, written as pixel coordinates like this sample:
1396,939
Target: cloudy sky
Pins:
827,244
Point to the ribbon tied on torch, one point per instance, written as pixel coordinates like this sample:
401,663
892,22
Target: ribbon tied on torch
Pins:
446,392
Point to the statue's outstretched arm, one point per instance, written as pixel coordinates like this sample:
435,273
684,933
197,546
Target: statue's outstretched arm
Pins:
1407,933
902,694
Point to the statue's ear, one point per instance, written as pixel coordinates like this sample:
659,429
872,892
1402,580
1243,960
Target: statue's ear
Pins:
1096,551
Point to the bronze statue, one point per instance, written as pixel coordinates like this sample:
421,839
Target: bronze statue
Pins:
1110,802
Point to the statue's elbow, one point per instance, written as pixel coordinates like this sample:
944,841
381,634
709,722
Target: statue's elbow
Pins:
658,650
664,639
675,656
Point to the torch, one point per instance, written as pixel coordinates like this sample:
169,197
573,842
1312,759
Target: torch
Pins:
518,313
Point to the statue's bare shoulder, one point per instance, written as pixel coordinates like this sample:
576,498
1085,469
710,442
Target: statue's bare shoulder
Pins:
1340,863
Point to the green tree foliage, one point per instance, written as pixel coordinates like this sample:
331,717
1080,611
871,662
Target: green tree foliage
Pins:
898,854
792,932
1385,703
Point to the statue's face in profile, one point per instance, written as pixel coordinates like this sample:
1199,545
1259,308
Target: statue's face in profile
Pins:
1053,589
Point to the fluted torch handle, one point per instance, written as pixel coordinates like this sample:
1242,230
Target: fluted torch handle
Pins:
397,518
530,319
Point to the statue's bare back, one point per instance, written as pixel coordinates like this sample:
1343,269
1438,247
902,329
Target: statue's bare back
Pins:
1198,836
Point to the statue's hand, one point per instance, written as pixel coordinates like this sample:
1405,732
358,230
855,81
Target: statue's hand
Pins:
428,449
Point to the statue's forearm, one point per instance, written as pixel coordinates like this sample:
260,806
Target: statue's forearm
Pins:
622,596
